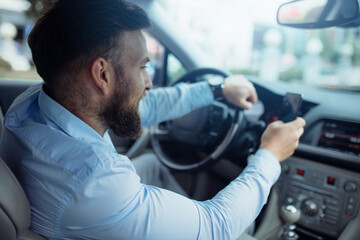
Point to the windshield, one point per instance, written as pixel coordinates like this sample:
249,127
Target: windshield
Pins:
242,36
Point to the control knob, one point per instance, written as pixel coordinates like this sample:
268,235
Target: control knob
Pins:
309,207
350,187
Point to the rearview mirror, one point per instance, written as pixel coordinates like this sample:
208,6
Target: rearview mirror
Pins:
318,14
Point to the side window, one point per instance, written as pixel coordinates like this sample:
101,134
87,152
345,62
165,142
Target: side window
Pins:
174,69
156,54
15,55
165,68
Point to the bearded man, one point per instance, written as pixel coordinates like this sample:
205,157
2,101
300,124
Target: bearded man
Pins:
92,57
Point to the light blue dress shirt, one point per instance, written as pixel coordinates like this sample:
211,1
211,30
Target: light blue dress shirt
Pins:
79,187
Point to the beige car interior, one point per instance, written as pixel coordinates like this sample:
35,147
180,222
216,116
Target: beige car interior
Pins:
14,206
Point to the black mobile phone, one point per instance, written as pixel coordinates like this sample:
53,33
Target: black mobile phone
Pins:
290,107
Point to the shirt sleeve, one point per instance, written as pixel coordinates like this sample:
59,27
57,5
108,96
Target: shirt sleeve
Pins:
167,103
115,205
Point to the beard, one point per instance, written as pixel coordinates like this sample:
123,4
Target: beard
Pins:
119,116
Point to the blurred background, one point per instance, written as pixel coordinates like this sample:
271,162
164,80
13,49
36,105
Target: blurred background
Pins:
241,36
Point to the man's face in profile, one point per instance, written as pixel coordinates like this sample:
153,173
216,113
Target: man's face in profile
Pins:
121,114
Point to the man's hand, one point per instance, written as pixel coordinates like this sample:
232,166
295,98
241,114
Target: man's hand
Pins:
239,91
281,139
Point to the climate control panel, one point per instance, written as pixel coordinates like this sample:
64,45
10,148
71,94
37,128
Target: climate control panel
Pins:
327,197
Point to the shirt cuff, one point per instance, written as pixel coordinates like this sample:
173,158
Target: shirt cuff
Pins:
204,90
267,163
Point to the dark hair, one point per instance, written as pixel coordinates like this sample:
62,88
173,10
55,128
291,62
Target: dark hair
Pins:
75,32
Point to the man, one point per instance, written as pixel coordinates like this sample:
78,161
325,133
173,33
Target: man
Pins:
92,55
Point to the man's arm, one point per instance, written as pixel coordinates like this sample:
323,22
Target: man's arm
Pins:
167,103
118,206
172,102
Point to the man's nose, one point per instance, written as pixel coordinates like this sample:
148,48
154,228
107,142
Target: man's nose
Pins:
148,82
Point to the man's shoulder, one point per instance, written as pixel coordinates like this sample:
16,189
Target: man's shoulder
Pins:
20,108
29,95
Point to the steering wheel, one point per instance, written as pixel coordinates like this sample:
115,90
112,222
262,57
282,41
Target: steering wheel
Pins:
212,127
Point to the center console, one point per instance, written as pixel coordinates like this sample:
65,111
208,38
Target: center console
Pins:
327,197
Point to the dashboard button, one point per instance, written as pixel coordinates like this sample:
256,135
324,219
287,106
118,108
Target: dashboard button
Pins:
349,213
289,200
300,172
331,180
350,207
350,187
286,168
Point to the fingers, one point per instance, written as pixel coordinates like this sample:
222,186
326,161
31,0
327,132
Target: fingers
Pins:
297,126
253,95
299,132
300,122
249,97
297,123
282,139
276,123
239,91
245,104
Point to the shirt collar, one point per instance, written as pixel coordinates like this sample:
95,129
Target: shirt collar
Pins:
68,122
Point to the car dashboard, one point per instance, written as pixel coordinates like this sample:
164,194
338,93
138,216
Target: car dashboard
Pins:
322,179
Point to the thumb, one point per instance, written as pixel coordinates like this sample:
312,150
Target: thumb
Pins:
245,104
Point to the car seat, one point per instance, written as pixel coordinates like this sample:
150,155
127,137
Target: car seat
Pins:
1,121
14,208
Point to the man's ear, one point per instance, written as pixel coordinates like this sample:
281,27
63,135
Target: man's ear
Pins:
102,75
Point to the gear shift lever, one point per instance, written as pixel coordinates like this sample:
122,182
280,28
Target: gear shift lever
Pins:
290,214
